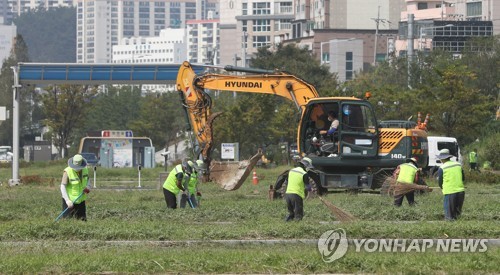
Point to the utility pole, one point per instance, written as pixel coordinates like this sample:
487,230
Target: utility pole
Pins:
410,47
442,10
377,22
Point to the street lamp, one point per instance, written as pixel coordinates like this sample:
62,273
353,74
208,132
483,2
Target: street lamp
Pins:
429,28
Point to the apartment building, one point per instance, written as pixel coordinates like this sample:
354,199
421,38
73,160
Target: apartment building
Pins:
19,7
345,14
247,25
102,24
167,48
203,41
344,36
479,10
6,12
7,39
454,10
447,25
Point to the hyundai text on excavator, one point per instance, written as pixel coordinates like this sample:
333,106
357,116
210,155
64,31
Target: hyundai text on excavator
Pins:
359,156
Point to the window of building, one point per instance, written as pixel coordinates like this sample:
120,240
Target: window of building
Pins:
244,9
261,8
282,24
244,26
261,25
285,7
474,9
348,65
261,41
422,6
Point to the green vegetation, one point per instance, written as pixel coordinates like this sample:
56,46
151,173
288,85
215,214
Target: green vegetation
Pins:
49,34
156,238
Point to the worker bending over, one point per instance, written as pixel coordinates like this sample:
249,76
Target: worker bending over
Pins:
174,183
295,190
406,173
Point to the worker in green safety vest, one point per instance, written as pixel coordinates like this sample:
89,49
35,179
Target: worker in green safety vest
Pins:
451,180
473,160
191,185
295,189
174,183
407,173
75,185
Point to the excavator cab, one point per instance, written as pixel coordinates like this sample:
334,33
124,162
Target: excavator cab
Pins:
355,137
340,161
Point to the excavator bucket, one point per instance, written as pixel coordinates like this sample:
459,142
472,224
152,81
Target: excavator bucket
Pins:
231,176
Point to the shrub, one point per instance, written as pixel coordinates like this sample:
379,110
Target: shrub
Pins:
37,180
483,177
31,179
488,153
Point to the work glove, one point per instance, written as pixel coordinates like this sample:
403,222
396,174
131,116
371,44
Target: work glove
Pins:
86,190
69,203
198,194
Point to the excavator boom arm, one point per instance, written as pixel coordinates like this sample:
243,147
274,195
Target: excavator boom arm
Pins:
198,103
287,86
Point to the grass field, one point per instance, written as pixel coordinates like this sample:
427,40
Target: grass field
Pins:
132,231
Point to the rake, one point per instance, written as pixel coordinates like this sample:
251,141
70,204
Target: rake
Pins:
340,214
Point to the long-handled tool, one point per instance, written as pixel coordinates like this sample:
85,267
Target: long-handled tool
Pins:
402,189
340,214
64,211
189,200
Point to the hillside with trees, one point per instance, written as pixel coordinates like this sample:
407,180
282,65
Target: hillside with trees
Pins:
49,34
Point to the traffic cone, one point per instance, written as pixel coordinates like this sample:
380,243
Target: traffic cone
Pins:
255,179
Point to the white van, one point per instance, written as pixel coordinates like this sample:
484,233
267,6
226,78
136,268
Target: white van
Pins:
439,143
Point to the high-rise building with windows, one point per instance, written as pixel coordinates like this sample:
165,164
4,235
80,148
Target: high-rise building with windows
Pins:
248,25
203,41
167,48
101,24
5,12
7,39
21,6
448,25
345,14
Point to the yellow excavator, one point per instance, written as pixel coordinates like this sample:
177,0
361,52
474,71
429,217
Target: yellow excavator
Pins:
359,155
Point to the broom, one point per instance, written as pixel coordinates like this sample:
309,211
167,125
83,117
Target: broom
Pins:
339,214
402,189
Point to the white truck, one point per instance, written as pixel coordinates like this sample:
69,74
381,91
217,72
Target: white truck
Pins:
438,143
6,154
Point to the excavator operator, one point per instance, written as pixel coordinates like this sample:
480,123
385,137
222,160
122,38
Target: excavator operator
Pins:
332,117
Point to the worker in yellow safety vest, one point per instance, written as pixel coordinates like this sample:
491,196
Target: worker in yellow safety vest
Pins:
75,185
473,160
174,183
192,186
407,173
451,180
295,190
